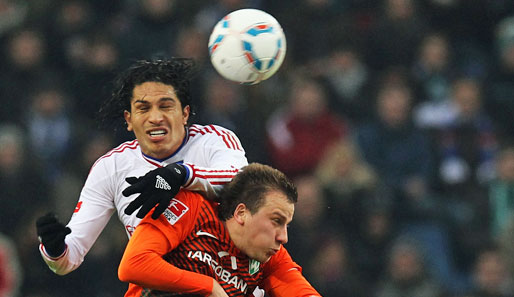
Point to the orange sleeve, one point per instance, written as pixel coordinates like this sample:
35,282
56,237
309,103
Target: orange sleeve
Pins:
142,263
283,277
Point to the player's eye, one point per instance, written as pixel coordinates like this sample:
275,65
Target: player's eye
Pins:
141,107
277,221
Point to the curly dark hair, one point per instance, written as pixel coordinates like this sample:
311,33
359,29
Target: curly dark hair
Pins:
176,72
250,185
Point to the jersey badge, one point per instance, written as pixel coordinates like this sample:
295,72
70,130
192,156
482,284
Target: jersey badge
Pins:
253,266
175,211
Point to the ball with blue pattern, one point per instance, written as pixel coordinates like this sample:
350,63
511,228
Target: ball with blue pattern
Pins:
247,46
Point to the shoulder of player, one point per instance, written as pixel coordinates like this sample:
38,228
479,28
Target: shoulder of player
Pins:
192,200
280,258
186,195
214,134
120,153
280,264
186,204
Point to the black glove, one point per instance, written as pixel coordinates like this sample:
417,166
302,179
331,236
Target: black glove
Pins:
51,234
157,187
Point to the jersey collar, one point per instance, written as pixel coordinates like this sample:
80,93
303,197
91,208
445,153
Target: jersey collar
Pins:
163,160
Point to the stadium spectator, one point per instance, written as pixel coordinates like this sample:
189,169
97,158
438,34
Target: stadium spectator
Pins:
398,152
501,201
311,219
66,29
432,68
22,181
500,84
466,150
501,192
331,269
348,182
320,26
50,128
467,143
300,133
211,13
93,72
490,276
370,242
24,191
224,104
347,76
395,36
407,275
433,72
150,28
10,271
401,155
26,64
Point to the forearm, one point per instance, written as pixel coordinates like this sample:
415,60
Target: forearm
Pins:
85,226
59,265
142,263
149,270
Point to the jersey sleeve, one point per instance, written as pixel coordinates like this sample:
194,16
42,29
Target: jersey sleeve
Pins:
283,278
142,263
91,215
224,156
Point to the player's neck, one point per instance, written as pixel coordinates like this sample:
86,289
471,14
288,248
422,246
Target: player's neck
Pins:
235,231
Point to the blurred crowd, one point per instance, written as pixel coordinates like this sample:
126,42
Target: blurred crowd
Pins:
395,118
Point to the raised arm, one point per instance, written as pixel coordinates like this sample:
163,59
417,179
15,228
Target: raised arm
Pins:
66,251
142,264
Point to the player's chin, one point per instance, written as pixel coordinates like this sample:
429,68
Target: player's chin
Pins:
266,257
160,150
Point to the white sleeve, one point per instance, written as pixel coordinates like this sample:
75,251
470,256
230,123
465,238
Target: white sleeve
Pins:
224,157
93,211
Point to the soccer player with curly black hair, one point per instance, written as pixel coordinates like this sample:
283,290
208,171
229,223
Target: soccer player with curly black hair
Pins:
168,153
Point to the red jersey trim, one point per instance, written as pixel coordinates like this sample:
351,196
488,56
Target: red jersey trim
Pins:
121,148
215,177
228,137
42,249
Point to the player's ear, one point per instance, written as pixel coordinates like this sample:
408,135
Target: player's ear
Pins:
128,119
241,213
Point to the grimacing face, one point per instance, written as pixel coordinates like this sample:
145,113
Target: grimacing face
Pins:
266,230
157,118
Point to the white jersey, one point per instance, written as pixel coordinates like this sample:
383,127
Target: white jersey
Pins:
211,154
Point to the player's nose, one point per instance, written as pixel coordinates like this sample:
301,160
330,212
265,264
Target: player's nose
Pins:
282,237
155,116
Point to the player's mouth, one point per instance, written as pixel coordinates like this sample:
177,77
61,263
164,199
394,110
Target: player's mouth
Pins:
273,252
157,134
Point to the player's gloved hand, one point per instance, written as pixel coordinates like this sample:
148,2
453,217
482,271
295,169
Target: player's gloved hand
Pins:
51,234
157,187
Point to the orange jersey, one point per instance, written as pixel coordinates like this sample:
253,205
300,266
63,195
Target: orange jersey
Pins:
188,246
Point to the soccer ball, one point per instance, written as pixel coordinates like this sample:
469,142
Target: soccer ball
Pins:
247,46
